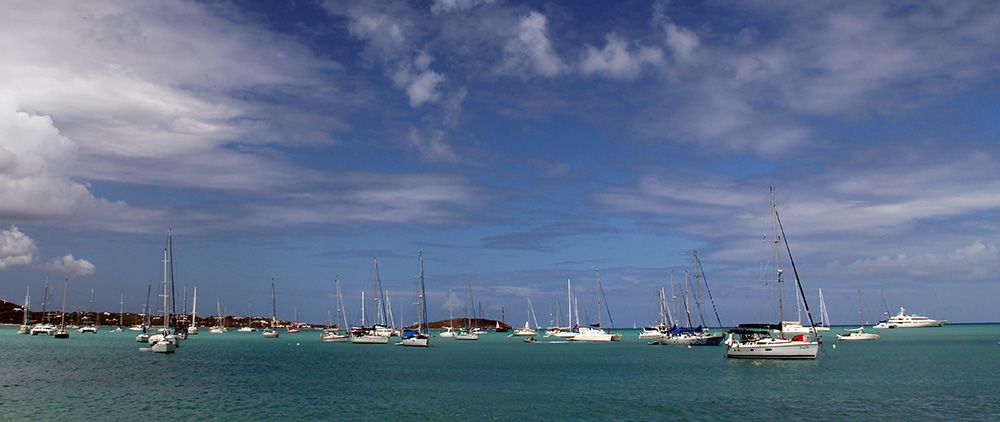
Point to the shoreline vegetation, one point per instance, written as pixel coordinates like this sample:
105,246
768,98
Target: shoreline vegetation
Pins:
12,314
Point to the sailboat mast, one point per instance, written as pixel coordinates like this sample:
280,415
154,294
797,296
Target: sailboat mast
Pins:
597,296
274,304
777,253
63,321
861,310
121,308
795,271
145,310
45,301
341,314
569,302
166,296
697,281
421,299
194,307
363,309
687,304
27,300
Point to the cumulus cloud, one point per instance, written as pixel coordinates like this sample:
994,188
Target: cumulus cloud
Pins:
71,267
529,51
617,60
418,80
16,248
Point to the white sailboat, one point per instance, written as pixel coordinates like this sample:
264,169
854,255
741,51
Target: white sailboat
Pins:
858,333
219,326
146,319
596,334
379,332
249,328
450,329
272,331
164,341
295,324
121,313
527,331
90,327
46,327
765,341
467,333
61,331
193,328
691,335
25,328
329,335
420,337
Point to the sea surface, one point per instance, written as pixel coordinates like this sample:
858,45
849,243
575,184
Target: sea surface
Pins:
933,373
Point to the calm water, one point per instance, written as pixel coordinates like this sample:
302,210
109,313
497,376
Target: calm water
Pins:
949,372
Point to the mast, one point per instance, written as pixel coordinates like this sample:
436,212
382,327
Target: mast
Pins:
170,260
795,271
274,304
698,280
687,305
823,316
422,296
194,308
861,315
569,303
121,308
45,301
708,289
363,309
597,295
218,311
145,310
777,253
62,324
27,300
166,293
341,314
532,310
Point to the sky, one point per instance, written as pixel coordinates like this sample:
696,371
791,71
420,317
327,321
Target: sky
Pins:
517,144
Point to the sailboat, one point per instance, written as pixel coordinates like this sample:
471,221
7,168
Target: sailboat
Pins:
295,325
61,331
92,327
330,335
596,333
420,337
164,341
379,332
691,335
450,328
249,327
121,313
796,327
193,328
502,328
858,333
664,318
271,331
45,327
527,331
25,328
219,327
467,333
766,341
146,319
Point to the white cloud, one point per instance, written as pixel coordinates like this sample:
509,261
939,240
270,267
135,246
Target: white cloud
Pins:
682,42
16,248
432,146
529,50
446,6
71,267
418,80
617,60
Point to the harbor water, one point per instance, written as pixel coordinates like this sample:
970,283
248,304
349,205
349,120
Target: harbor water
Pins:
939,373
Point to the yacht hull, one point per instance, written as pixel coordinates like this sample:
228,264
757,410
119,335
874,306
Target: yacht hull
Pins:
790,350
370,339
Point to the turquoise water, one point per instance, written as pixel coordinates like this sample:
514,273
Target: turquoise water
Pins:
948,372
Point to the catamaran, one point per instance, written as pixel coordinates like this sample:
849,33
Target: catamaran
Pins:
766,341
420,337
46,328
219,327
271,331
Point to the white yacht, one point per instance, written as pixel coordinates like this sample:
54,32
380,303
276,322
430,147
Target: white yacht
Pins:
592,334
163,341
857,334
448,333
903,320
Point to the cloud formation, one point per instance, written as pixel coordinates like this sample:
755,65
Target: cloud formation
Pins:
16,248
617,60
70,266
528,51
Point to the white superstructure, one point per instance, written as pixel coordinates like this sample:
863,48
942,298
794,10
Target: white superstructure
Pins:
903,320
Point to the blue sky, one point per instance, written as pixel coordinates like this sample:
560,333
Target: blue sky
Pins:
516,144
